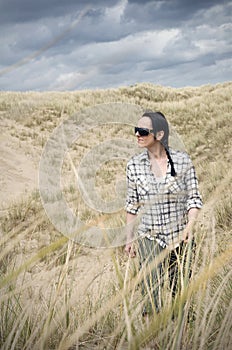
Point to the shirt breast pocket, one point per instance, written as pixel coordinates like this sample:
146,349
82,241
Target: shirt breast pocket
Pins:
142,187
176,187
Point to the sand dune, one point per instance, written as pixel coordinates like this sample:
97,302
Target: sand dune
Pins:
18,174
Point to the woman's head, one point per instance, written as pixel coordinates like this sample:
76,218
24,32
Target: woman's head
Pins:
153,127
159,126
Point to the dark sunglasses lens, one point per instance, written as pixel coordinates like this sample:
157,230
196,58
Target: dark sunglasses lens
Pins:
141,131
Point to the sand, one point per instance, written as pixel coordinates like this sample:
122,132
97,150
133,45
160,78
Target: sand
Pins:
18,173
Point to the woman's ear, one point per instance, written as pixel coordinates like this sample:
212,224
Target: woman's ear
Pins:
159,135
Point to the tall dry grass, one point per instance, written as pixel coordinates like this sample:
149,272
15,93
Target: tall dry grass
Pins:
56,294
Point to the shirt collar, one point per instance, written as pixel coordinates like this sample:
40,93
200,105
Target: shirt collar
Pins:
145,158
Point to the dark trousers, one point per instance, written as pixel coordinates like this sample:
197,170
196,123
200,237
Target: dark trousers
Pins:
176,265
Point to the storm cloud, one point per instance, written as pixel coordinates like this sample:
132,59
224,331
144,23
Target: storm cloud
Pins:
67,45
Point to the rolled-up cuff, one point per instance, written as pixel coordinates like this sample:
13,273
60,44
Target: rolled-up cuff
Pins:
132,210
194,204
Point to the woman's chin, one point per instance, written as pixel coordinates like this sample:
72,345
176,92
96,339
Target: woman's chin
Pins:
141,144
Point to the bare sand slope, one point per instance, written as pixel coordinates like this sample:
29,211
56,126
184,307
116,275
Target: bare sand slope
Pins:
90,270
18,174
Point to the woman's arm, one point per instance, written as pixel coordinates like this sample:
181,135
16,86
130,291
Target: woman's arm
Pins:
132,208
130,223
194,201
188,231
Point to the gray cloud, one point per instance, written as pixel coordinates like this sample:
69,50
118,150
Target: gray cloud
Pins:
15,11
168,13
173,43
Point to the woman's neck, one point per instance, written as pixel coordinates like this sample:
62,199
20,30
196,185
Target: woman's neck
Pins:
157,152
158,161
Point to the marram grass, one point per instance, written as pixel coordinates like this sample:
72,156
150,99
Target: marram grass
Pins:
56,294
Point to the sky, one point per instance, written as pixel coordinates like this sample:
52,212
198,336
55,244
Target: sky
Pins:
65,45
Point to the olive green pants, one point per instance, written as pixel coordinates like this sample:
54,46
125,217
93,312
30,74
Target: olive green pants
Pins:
175,263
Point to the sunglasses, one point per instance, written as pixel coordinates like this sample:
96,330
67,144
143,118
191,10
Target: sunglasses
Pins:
143,131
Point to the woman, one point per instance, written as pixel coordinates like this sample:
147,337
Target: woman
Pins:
162,192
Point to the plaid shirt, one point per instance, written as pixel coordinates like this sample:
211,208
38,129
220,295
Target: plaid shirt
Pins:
162,206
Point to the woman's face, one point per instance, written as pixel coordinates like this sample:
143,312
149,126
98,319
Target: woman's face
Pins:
145,141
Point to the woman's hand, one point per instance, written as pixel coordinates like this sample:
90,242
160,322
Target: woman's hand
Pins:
187,233
130,251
